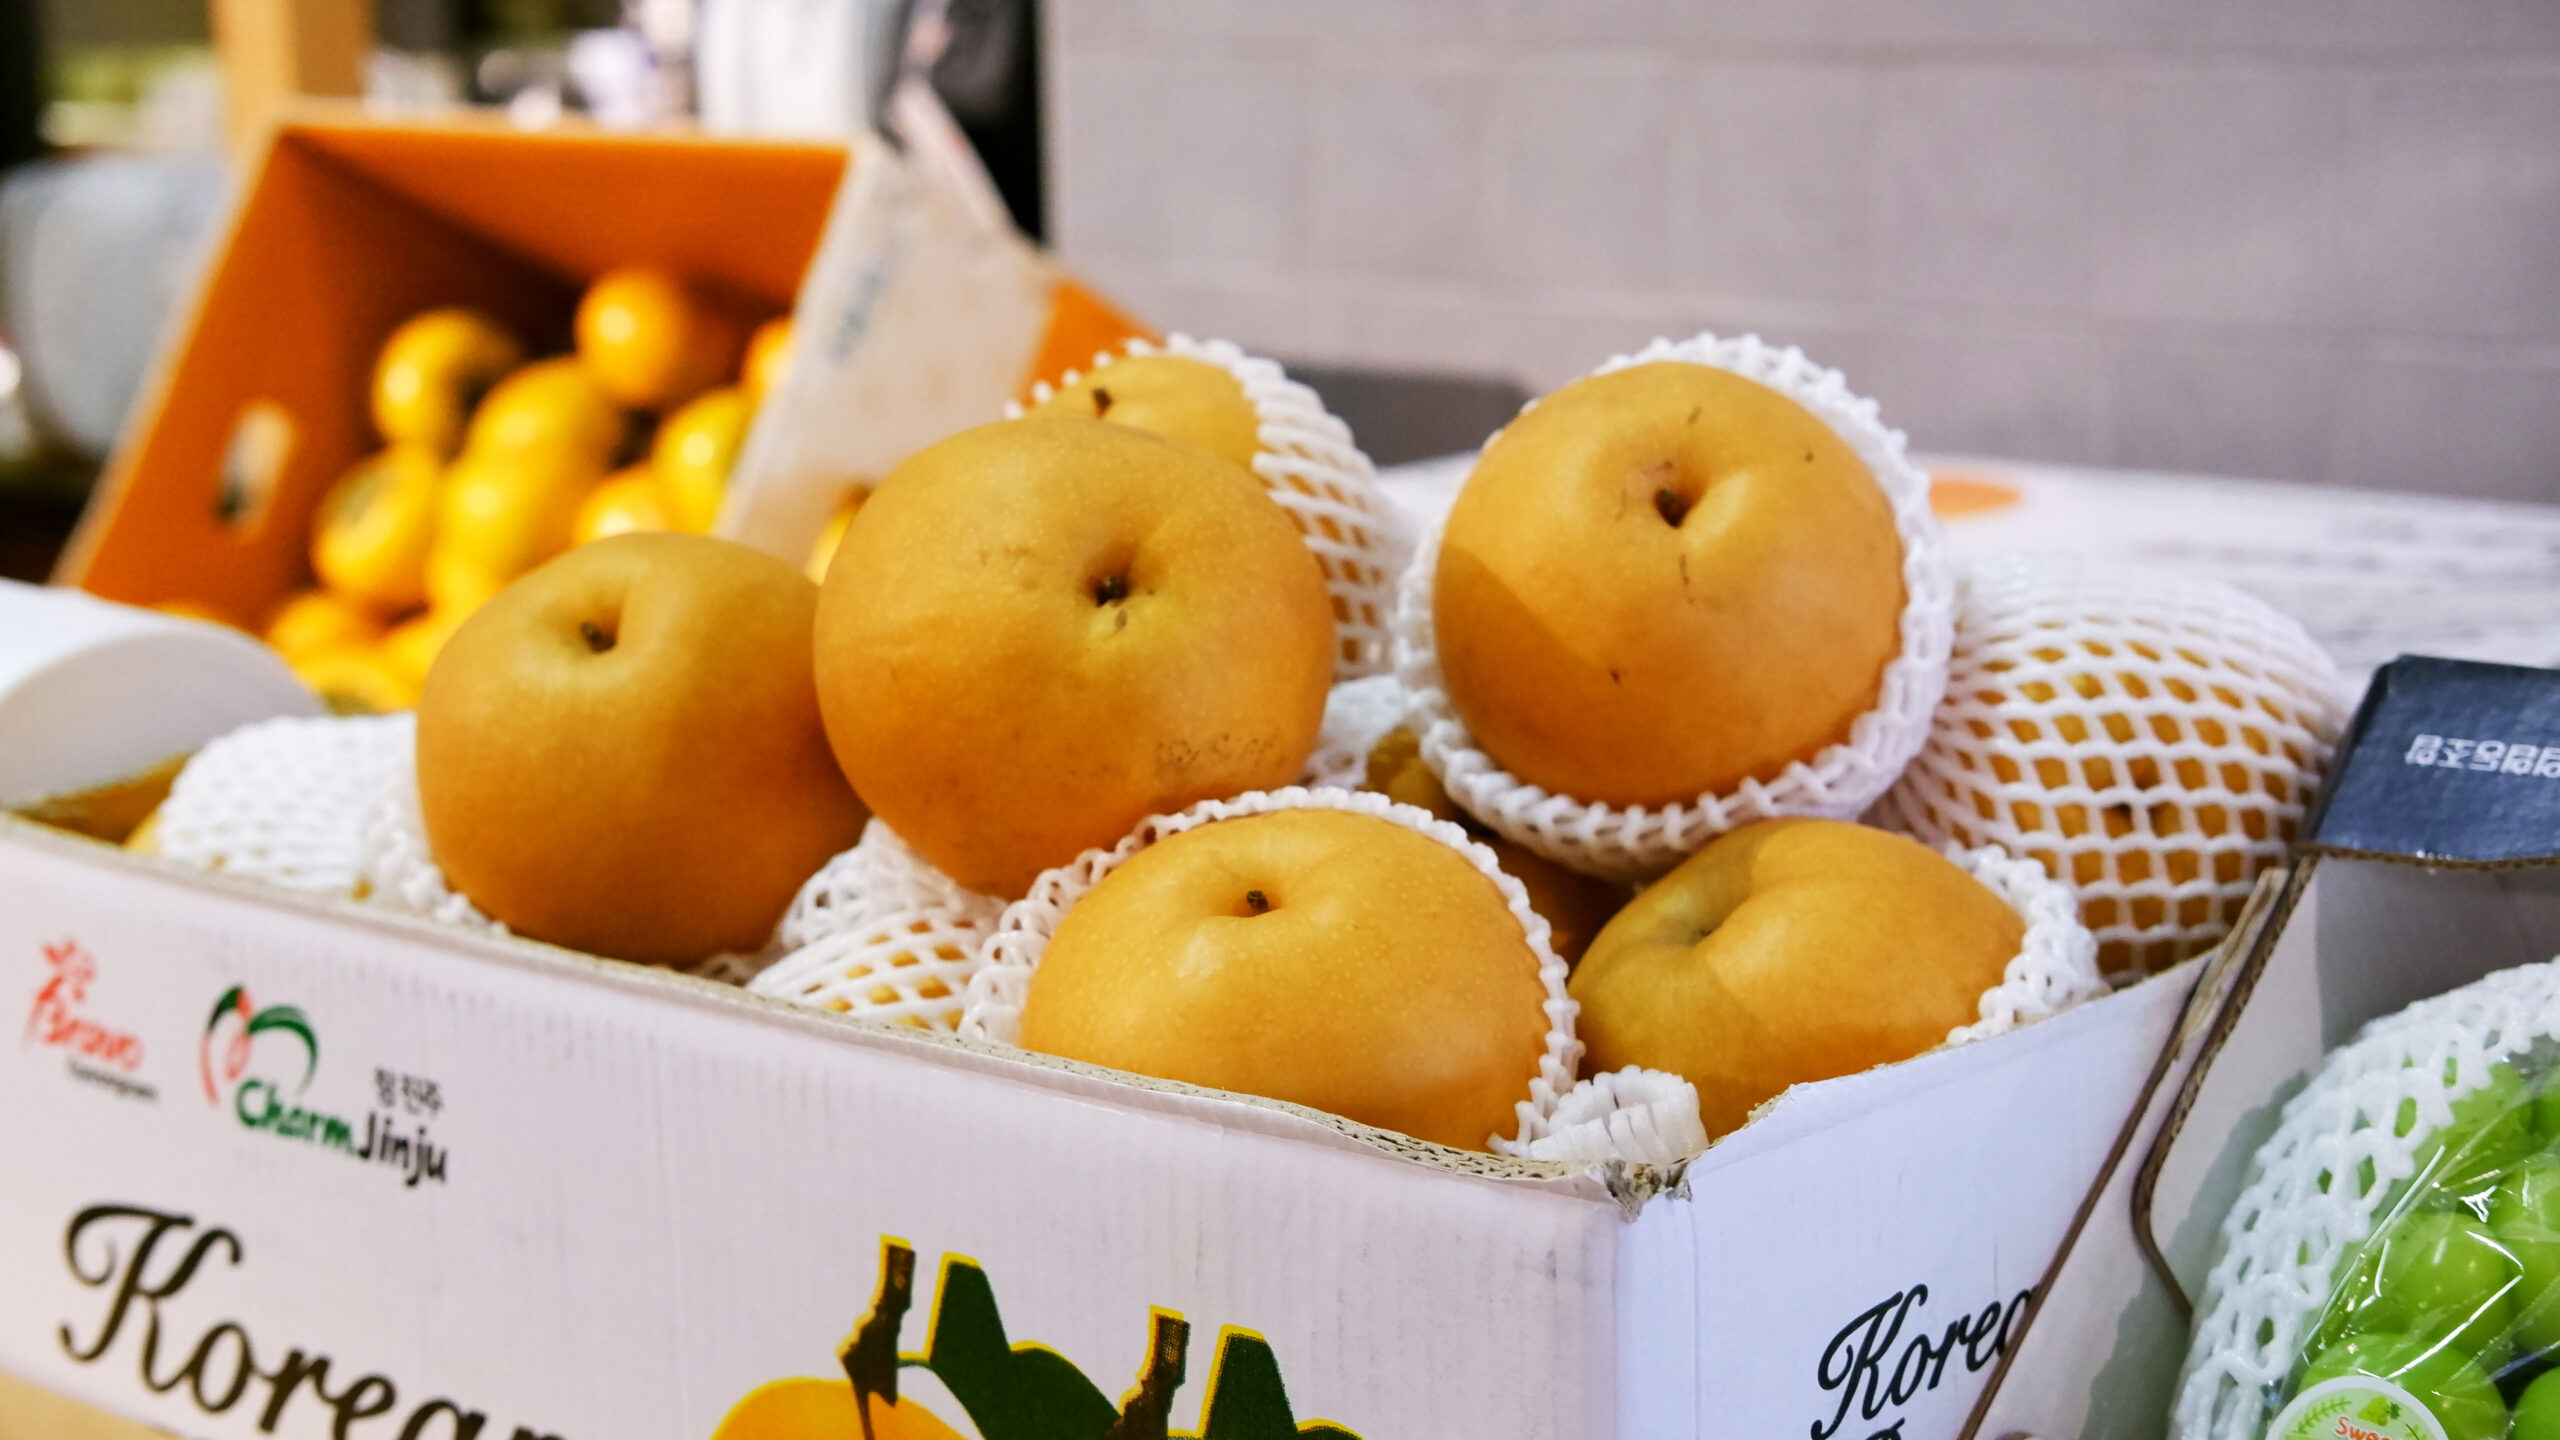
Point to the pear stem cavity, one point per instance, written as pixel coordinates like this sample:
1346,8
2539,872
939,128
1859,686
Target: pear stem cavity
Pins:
597,640
1111,589
1671,506
1257,902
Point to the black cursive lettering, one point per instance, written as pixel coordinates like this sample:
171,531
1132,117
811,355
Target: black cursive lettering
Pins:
1853,1363
132,1286
115,1246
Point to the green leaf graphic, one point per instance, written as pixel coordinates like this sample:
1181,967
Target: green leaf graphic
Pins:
292,1022
1247,1400
1028,1393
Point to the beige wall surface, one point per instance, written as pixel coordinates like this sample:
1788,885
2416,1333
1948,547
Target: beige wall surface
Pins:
2303,239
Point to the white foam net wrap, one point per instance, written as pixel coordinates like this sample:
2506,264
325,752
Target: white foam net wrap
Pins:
1357,715
1316,473
2056,966
1649,1117
997,991
399,873
283,801
2151,738
2320,1183
879,934
1635,842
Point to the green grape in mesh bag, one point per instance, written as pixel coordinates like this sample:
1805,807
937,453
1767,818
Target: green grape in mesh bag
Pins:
2451,1385
2524,1216
2455,1297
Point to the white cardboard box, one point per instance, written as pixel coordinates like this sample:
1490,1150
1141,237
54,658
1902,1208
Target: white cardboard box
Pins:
615,1201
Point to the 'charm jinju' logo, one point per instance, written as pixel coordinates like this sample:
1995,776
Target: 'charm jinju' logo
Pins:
257,1063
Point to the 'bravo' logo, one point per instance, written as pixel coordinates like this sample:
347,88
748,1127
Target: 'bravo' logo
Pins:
60,1020
238,1059
231,1035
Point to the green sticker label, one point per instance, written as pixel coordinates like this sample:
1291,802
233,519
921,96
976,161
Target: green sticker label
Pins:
2356,1407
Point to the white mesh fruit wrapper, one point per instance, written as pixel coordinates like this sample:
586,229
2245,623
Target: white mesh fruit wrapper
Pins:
1637,842
2056,966
283,801
1313,469
997,991
880,934
2318,1186
1357,715
1649,1117
399,873
2191,720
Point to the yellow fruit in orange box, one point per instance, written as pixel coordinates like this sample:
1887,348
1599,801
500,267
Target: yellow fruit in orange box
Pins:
412,646
503,512
550,405
823,554
826,1410
1662,581
433,371
1790,951
370,542
358,679
622,753
1170,395
625,503
1574,906
457,584
1039,632
695,450
768,358
1333,959
653,341
311,620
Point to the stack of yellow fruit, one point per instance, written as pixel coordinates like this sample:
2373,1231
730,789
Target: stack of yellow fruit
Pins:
492,465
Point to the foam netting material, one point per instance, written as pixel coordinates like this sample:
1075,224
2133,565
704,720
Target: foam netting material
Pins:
1357,715
2318,1185
329,807
997,991
1637,842
880,934
2056,966
284,801
2151,738
1317,474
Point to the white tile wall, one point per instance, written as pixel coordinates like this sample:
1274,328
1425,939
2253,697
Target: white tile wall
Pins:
2314,239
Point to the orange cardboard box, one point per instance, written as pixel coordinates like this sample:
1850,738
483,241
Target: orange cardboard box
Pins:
349,226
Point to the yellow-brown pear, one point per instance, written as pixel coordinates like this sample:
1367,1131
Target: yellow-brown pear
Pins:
1791,951
621,752
1037,633
1175,396
1334,959
1662,581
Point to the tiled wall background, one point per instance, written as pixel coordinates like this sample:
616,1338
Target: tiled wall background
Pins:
2305,239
